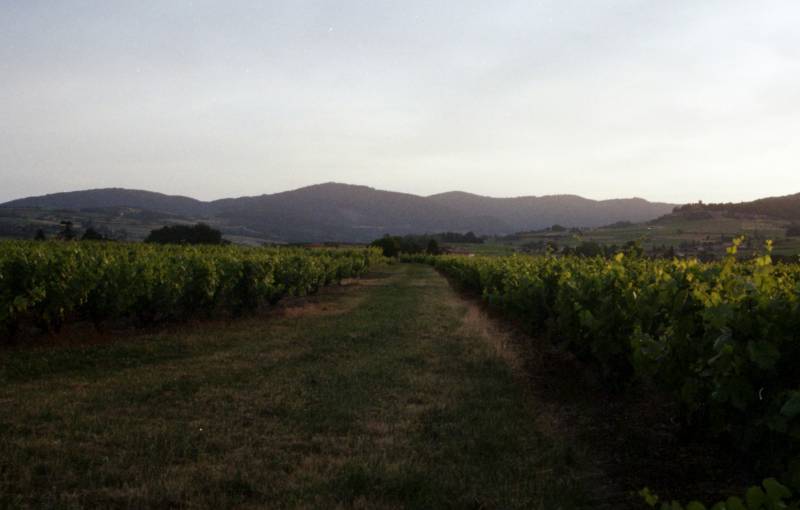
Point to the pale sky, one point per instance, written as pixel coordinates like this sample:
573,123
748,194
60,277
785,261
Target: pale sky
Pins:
668,100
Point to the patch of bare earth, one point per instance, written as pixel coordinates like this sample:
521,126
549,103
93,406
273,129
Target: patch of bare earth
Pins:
333,300
312,309
501,339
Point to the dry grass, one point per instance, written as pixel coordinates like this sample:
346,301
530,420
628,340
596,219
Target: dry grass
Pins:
626,440
502,339
376,394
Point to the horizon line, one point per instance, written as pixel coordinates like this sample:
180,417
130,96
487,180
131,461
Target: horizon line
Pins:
78,190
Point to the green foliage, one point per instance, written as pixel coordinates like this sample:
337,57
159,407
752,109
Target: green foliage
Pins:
184,234
92,235
48,283
67,233
723,338
586,249
389,245
392,246
772,495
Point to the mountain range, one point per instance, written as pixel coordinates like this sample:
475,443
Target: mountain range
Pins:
343,212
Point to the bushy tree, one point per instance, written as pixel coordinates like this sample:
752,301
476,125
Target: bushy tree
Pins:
589,249
184,234
390,245
470,237
92,235
634,249
67,233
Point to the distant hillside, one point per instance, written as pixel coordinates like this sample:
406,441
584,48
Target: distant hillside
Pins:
342,212
115,197
346,212
529,213
785,207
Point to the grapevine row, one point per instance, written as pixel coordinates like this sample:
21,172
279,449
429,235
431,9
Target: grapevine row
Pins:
723,339
50,283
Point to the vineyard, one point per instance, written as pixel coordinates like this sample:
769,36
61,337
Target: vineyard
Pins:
721,339
717,341
46,284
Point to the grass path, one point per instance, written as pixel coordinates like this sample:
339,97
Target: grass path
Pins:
381,394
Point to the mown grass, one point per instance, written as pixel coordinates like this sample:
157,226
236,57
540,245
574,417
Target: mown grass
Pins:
375,398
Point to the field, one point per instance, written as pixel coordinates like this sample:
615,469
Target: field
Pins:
686,236
718,341
120,223
47,284
143,376
341,400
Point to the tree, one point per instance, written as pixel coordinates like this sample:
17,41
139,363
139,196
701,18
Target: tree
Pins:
634,249
67,234
40,236
412,244
184,234
589,249
470,237
92,235
390,245
433,247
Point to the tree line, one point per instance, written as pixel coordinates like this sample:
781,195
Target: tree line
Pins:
200,233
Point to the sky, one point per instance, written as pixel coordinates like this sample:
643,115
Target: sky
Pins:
673,101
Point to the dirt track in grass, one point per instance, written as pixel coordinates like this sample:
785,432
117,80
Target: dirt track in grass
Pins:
392,391
389,392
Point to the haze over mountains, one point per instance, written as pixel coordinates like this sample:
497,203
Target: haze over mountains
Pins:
342,212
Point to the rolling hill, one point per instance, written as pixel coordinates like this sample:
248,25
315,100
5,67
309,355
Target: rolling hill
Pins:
115,197
343,212
785,207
